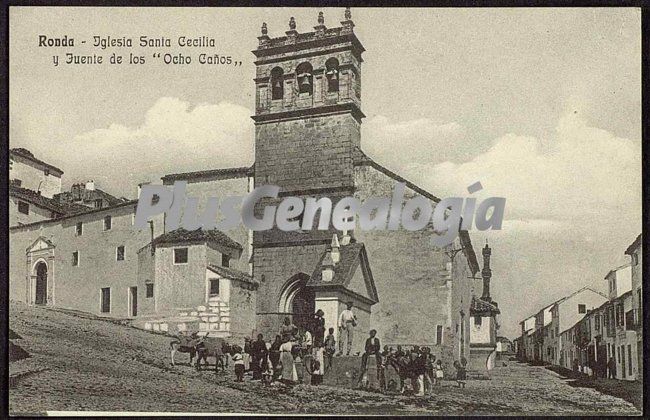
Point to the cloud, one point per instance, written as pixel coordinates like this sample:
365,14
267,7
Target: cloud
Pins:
174,137
584,174
420,141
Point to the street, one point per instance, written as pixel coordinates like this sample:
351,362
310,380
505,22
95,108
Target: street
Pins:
81,363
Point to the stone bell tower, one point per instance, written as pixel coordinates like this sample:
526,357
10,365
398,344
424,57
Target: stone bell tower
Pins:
307,126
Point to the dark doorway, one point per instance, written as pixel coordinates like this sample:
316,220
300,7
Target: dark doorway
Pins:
303,307
133,301
41,284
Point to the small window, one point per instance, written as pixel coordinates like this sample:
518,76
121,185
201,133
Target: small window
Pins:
23,207
155,199
438,334
225,260
478,320
582,308
149,290
106,300
99,203
75,258
17,182
214,287
597,322
119,253
108,223
79,229
180,256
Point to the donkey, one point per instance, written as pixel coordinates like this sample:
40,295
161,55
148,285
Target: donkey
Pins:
185,343
213,347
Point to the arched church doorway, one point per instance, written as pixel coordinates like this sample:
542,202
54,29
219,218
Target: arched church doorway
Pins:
41,284
298,301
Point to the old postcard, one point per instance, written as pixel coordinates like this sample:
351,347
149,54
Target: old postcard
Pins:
352,211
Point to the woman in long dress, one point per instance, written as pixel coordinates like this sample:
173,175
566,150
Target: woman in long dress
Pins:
289,372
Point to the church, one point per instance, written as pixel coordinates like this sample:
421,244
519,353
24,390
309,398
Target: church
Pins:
237,283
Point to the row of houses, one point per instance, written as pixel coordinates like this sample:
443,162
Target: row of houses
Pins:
590,332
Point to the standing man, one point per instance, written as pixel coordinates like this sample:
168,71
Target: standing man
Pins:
259,355
347,322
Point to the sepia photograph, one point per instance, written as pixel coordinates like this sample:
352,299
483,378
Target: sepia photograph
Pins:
325,211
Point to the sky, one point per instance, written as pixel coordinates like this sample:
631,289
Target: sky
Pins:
542,106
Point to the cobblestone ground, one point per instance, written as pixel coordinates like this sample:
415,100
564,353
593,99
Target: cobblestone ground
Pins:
78,363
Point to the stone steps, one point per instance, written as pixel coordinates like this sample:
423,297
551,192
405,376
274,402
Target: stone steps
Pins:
211,319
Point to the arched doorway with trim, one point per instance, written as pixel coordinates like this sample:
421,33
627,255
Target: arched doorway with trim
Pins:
40,289
298,301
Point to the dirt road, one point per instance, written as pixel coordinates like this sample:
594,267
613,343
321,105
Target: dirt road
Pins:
87,364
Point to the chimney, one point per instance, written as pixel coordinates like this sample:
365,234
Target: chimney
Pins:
328,267
486,273
90,185
336,252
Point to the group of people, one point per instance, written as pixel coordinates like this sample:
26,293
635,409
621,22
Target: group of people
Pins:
418,364
276,361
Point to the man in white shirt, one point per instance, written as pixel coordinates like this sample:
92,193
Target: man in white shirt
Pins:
347,322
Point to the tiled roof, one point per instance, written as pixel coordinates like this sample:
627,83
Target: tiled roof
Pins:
480,306
634,245
212,173
351,257
89,196
19,151
196,236
63,209
231,273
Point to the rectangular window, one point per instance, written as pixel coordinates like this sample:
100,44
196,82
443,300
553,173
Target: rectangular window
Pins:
106,300
214,287
478,320
149,290
99,203
17,182
180,256
119,253
75,258
225,260
629,320
108,223
597,322
23,207
582,308
438,334
79,229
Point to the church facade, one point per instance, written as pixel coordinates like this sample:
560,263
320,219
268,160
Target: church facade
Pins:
308,142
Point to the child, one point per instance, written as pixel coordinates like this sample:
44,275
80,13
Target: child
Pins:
461,374
267,374
330,348
238,360
316,377
439,373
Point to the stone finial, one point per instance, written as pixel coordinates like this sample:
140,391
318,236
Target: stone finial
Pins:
292,24
321,18
265,31
346,239
348,14
335,253
328,267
